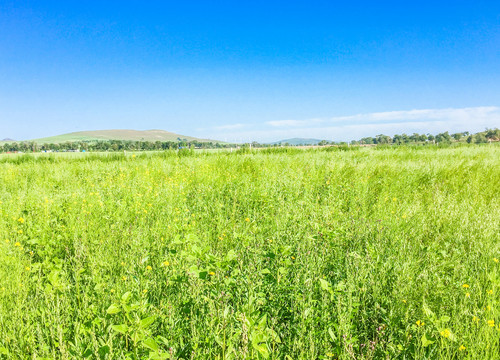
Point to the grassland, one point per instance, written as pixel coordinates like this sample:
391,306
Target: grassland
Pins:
373,253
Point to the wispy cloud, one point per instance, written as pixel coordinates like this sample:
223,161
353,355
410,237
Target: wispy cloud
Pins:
343,128
418,115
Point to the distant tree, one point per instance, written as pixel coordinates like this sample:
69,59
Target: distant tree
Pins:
443,137
383,139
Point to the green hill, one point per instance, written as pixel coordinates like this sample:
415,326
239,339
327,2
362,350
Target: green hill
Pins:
134,135
297,141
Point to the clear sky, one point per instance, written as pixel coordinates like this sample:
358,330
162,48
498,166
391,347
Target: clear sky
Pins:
249,70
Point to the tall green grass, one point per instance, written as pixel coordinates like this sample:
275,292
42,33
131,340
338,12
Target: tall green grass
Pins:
315,254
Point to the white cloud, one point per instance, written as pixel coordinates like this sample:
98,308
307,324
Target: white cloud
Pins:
343,128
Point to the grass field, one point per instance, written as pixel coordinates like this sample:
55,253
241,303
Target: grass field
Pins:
372,253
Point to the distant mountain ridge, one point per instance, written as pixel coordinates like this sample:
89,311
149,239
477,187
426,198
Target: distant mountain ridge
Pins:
297,141
119,134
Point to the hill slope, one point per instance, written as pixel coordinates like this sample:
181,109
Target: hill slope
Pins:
297,141
119,134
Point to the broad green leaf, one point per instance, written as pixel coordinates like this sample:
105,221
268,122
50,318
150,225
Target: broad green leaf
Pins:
427,311
122,328
426,342
332,334
147,321
325,285
445,318
113,309
151,344
126,297
262,349
156,356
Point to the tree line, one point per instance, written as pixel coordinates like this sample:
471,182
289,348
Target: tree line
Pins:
445,137
123,145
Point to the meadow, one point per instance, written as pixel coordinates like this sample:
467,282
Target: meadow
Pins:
334,253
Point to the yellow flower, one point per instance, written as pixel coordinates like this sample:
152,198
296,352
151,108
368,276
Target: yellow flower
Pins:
465,286
420,323
145,291
149,268
491,323
247,219
467,295
461,348
124,278
489,292
445,333
404,301
293,257
19,231
166,263
495,260
21,220
475,319
17,244
27,268
112,290
211,273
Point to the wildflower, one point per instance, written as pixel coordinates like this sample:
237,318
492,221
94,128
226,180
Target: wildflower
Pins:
404,216
149,268
124,278
19,231
18,244
420,323
475,319
461,348
465,286
145,291
211,273
445,333
247,219
404,301
293,257
21,220
28,268
467,295
489,292
495,260
491,323
112,290
165,263
7,241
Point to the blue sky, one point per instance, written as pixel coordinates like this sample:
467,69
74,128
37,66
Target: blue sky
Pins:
259,70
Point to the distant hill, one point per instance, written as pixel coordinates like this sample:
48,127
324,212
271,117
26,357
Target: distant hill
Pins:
7,140
297,141
135,135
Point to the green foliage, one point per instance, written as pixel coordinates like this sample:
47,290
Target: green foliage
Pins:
335,253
